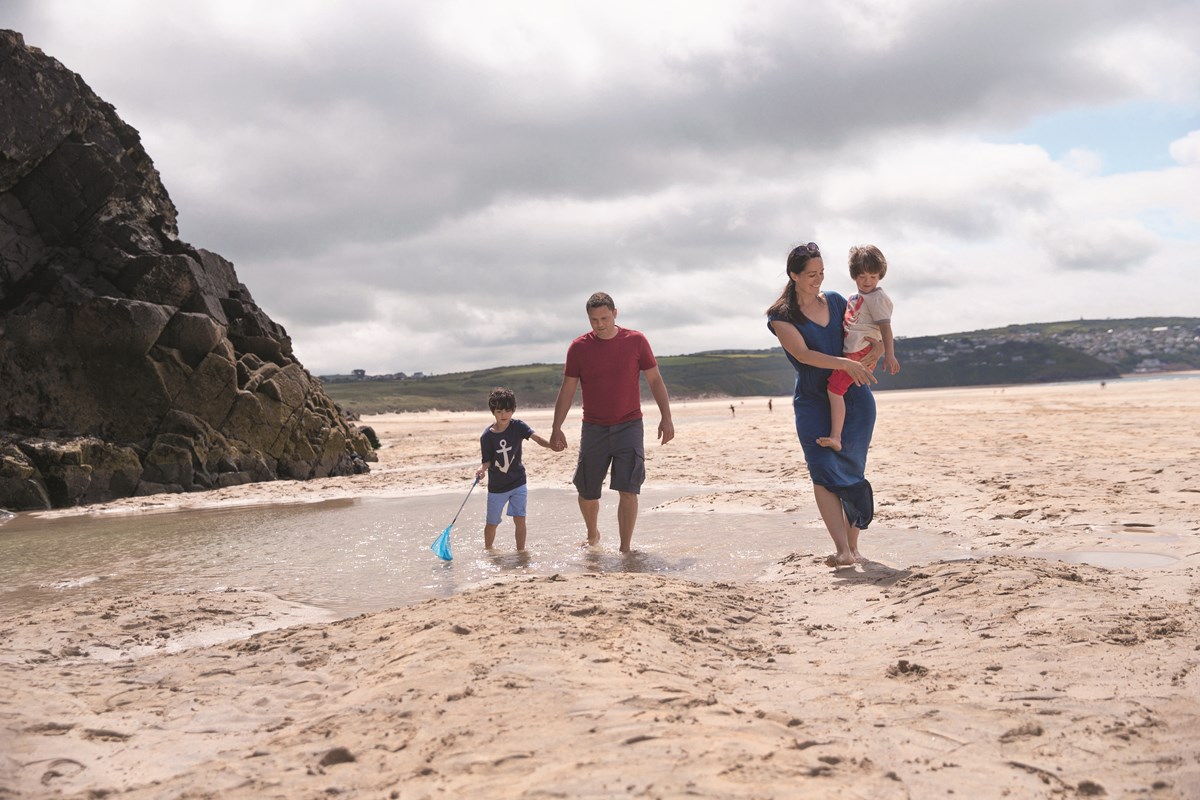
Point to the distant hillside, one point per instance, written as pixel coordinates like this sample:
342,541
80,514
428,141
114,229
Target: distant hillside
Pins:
535,385
1039,353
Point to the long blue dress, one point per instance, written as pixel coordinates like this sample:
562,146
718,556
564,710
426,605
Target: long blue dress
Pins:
841,472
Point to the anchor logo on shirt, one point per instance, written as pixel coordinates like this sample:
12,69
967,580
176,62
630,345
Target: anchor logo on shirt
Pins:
504,450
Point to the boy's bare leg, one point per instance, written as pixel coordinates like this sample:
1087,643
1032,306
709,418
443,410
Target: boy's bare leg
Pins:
591,515
627,511
519,524
837,418
489,536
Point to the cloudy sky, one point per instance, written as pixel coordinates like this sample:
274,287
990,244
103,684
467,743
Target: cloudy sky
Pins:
437,186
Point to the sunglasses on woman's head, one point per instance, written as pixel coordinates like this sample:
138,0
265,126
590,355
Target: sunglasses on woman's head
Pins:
810,248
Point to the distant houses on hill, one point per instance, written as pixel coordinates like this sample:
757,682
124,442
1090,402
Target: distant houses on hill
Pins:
1040,353
1129,348
1162,347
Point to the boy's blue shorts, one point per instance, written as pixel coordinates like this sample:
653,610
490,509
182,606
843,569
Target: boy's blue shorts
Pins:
516,500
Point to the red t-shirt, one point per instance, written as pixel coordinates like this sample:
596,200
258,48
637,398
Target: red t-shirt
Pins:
609,370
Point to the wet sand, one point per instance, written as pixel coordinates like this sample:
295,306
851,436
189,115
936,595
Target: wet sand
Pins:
1023,670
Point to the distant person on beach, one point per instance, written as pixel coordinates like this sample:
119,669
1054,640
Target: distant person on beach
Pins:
868,320
608,363
506,480
809,325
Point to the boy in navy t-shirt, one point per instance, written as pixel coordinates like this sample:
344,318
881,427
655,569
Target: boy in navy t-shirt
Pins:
501,448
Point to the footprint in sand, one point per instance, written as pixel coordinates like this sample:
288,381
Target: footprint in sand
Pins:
906,669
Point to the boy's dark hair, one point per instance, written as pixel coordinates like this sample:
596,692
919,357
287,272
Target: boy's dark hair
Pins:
867,258
601,299
502,399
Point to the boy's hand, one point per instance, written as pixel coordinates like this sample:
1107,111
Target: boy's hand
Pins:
891,364
479,473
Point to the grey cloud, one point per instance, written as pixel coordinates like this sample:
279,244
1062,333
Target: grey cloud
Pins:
963,218
1113,249
626,138
370,160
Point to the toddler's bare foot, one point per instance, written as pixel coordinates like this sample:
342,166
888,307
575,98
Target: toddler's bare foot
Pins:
830,442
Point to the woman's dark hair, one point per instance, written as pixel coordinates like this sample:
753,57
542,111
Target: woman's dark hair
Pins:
787,306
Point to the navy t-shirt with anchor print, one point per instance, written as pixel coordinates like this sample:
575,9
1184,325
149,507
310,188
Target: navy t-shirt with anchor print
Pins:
503,451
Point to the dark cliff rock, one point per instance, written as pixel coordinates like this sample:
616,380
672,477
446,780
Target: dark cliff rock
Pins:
130,361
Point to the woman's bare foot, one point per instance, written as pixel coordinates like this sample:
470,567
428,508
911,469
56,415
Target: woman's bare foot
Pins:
838,561
591,541
830,442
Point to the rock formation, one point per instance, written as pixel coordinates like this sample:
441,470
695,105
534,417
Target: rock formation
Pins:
130,362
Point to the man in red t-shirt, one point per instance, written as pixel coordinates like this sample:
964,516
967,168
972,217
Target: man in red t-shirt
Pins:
608,362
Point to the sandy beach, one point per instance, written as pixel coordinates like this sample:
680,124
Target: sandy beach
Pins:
1060,658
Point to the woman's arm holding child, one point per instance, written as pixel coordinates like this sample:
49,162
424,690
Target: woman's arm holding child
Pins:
793,342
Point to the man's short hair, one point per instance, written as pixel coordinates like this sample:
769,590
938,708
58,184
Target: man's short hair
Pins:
601,299
502,399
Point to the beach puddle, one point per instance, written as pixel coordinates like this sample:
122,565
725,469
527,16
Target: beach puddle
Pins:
1112,559
353,556
359,555
1137,533
1134,545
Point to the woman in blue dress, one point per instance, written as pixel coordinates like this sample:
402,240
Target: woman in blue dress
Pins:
808,323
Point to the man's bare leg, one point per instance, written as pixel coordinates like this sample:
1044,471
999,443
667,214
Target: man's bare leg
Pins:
627,511
591,516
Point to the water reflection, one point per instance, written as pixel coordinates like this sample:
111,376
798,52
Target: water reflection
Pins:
507,562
